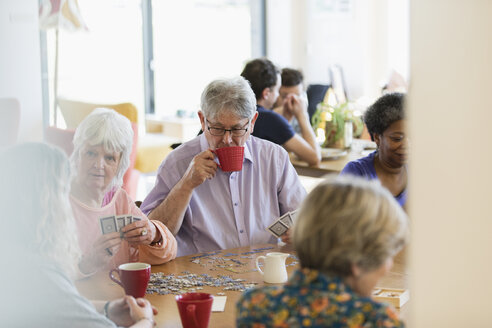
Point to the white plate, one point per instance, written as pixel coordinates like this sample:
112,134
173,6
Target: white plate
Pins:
332,153
363,144
370,145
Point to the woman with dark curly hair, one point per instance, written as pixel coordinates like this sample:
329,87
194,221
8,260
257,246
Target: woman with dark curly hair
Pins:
385,122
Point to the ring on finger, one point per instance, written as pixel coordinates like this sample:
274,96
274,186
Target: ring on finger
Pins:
144,232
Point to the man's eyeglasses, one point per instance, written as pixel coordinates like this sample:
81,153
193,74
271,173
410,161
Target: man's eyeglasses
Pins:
218,132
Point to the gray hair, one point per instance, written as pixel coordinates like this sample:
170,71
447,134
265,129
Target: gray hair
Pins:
105,127
233,95
34,198
348,220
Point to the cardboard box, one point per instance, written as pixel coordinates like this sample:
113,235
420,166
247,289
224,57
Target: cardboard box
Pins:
395,297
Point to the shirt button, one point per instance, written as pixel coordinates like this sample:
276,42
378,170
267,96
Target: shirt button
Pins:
241,231
235,204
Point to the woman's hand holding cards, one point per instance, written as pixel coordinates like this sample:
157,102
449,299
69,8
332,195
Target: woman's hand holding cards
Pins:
141,232
133,229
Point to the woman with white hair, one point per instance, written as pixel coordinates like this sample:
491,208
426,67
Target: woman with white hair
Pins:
346,235
102,146
40,252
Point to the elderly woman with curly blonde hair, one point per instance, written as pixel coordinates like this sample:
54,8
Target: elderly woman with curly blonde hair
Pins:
102,146
346,235
40,252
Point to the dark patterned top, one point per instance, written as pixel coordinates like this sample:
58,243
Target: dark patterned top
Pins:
312,299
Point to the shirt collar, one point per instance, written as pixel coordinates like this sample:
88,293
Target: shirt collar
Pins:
247,153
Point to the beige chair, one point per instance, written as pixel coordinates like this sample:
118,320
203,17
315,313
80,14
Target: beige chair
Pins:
60,137
75,111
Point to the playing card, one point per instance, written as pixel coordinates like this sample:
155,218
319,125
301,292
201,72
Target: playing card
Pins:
108,224
293,215
136,218
278,228
120,222
219,303
128,219
286,220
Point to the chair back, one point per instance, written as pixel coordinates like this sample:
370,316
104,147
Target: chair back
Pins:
9,121
62,138
338,83
315,94
75,111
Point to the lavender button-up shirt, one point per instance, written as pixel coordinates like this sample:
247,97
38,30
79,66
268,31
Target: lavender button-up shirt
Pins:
231,209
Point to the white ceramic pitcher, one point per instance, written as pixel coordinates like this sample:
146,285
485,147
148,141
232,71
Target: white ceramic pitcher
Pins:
274,270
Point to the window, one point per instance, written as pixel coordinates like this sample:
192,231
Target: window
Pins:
195,42
105,63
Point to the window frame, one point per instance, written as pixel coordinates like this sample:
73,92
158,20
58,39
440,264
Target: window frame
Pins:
258,36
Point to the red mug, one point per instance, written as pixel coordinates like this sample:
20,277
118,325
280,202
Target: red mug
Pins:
194,309
134,278
230,158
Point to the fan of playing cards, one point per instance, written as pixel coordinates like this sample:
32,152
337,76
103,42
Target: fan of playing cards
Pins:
282,224
115,223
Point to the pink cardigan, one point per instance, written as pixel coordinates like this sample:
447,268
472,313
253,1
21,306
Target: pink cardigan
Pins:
88,228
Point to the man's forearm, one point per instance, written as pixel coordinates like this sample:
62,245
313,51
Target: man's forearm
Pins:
308,133
172,209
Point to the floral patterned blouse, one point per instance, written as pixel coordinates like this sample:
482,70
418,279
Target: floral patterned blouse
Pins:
312,299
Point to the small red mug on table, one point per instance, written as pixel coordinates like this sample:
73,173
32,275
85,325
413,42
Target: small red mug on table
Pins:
194,309
134,278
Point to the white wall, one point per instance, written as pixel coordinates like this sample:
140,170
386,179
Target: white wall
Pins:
367,38
398,28
279,48
450,107
20,65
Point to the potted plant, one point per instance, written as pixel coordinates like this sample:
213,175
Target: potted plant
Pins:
337,123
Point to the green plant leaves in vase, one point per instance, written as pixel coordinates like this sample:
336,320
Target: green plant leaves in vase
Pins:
332,118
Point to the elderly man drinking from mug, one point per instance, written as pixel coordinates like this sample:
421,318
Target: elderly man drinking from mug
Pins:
210,209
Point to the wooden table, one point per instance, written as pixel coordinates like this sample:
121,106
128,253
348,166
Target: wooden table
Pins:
332,165
100,287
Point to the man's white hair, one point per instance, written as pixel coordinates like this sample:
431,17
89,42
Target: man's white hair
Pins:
233,95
